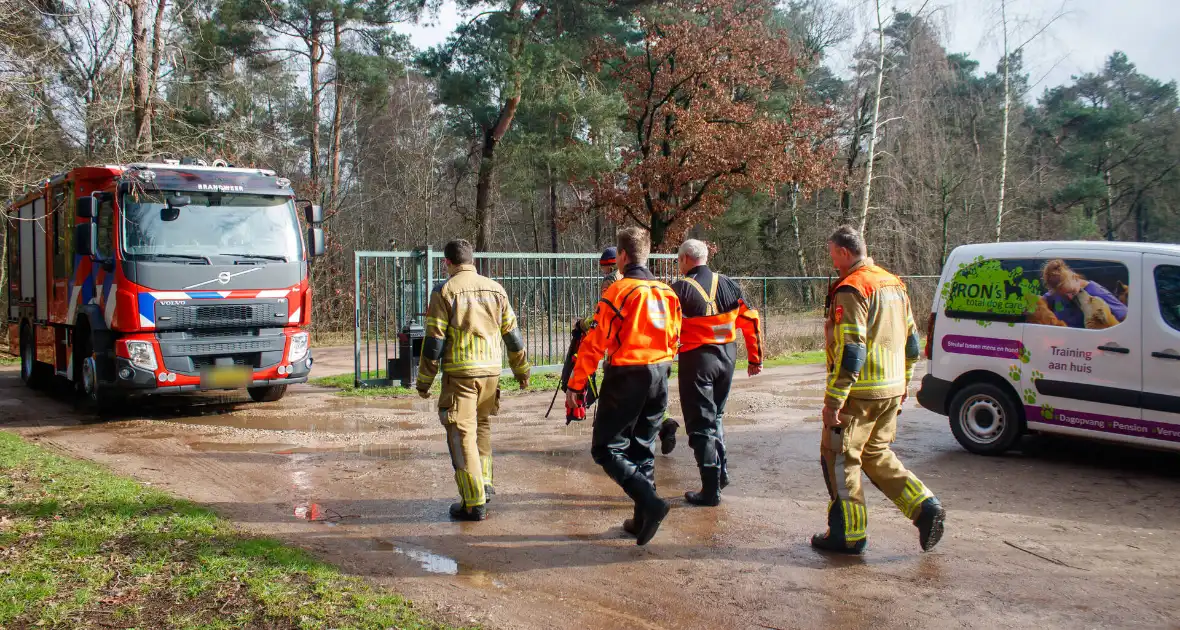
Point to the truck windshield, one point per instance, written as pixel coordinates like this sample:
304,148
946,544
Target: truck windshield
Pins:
262,227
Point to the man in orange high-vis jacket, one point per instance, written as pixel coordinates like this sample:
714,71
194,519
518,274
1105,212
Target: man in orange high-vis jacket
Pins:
872,346
714,311
637,330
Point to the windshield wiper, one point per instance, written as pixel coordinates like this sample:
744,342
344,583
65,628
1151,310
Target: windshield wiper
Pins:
204,259
259,256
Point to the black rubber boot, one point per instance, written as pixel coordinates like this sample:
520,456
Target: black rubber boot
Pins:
710,494
650,507
668,436
489,492
827,542
460,513
635,523
724,477
930,523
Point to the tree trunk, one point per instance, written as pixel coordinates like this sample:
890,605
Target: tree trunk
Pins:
872,153
337,114
1106,205
800,255
1007,111
483,188
946,219
553,214
141,84
315,47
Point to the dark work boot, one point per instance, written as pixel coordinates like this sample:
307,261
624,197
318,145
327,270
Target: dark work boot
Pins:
668,436
489,492
724,477
930,523
635,523
835,544
650,507
710,494
460,513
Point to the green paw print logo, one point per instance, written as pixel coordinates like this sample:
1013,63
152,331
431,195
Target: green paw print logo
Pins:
1014,373
1030,397
983,323
1036,375
1025,357
1047,412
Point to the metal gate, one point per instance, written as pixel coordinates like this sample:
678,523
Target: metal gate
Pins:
549,292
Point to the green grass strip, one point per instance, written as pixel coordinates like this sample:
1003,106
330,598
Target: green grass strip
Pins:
80,546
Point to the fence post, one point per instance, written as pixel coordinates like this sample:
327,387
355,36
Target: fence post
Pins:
356,314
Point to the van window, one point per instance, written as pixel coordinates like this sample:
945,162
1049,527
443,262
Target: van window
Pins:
1167,285
1076,293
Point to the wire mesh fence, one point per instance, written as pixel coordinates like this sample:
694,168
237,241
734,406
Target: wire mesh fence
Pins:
551,292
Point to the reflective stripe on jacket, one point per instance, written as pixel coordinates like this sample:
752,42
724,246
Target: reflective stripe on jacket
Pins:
637,323
872,342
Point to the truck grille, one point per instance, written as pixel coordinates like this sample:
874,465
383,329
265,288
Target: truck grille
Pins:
238,314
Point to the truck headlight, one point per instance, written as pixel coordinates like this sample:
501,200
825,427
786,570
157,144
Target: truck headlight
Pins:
299,345
142,355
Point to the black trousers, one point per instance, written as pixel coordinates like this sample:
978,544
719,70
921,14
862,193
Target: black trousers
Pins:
705,375
630,408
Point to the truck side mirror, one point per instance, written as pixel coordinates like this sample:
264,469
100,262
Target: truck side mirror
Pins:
314,214
315,242
86,239
86,208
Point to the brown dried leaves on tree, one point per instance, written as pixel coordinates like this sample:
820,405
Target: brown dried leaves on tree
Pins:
715,107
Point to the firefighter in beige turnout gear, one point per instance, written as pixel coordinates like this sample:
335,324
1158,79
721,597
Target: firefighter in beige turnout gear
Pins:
872,346
468,317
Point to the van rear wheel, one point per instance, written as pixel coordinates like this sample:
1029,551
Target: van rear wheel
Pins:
269,393
985,419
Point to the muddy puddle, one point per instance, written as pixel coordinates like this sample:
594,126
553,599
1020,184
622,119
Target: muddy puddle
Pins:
380,451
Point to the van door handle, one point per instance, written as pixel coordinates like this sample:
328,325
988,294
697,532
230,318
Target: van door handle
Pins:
1166,355
1117,349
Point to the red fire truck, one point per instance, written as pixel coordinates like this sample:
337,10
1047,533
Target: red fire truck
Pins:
153,278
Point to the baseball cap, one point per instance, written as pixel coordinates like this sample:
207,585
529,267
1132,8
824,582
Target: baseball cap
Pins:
608,257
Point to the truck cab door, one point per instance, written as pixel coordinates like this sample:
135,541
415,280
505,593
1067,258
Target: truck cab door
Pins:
1161,347
1084,378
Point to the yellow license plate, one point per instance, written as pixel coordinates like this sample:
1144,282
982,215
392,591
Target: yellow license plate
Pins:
226,378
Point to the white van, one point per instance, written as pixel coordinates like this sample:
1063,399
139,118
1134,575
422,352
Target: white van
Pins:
1080,338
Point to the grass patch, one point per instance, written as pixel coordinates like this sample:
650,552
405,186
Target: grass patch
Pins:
541,382
8,359
80,547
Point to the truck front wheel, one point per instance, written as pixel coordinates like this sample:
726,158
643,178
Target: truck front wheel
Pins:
269,393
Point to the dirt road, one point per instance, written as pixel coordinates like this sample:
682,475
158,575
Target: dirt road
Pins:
1064,535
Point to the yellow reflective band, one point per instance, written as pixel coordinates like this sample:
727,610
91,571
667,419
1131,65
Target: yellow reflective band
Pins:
837,393
486,462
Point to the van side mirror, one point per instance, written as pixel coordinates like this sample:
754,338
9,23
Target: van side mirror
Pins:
85,208
86,239
314,214
315,242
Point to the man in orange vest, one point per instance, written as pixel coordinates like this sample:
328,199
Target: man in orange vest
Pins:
713,310
637,330
872,346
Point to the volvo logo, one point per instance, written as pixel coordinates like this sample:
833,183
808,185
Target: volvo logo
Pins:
223,278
